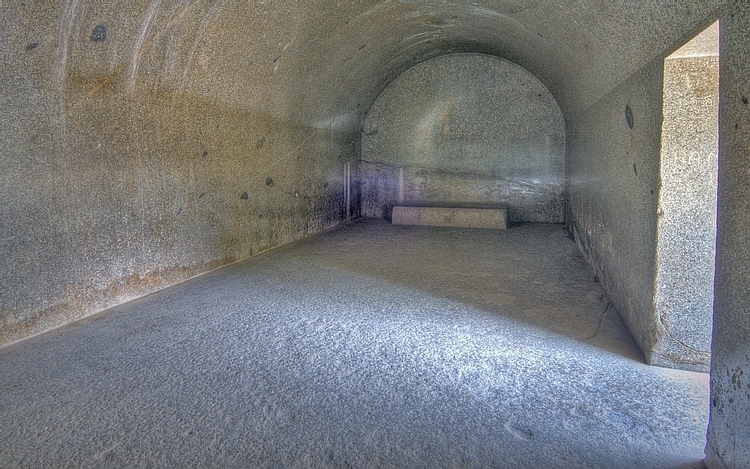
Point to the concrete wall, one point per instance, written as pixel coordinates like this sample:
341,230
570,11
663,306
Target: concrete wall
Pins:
729,426
613,188
465,128
139,149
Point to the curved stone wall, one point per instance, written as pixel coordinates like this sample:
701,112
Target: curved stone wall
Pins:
468,129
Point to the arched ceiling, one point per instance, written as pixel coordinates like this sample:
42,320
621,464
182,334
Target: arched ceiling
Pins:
322,63
335,57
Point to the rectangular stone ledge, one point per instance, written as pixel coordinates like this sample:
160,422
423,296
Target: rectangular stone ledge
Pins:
457,217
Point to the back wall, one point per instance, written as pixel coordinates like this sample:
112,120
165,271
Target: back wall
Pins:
470,129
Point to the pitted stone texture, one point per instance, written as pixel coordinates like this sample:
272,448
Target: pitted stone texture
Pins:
686,224
729,430
466,128
612,206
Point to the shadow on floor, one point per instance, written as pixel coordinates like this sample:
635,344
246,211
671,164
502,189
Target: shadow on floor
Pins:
531,273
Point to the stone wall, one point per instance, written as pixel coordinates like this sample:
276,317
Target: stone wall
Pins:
139,149
686,216
465,128
613,188
729,425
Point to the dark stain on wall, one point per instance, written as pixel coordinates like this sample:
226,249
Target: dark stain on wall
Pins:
99,34
629,116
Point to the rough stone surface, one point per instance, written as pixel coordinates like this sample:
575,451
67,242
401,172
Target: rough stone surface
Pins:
369,346
465,128
729,429
686,216
141,159
129,129
108,135
460,217
612,207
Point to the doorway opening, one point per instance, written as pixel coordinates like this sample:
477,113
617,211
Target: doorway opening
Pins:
686,214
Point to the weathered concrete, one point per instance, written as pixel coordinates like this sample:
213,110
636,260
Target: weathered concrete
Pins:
686,214
459,217
729,429
369,346
465,128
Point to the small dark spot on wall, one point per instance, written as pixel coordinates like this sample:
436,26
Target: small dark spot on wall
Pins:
244,196
269,182
261,142
715,402
325,185
201,195
736,126
205,154
362,47
629,116
276,59
32,46
99,34
744,100
635,169
179,211
652,192
596,279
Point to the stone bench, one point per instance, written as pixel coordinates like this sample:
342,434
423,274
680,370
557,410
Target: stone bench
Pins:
495,217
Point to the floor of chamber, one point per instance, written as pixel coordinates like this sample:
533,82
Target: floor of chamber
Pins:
369,345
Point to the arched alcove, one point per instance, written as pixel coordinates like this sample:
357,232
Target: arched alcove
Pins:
468,129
